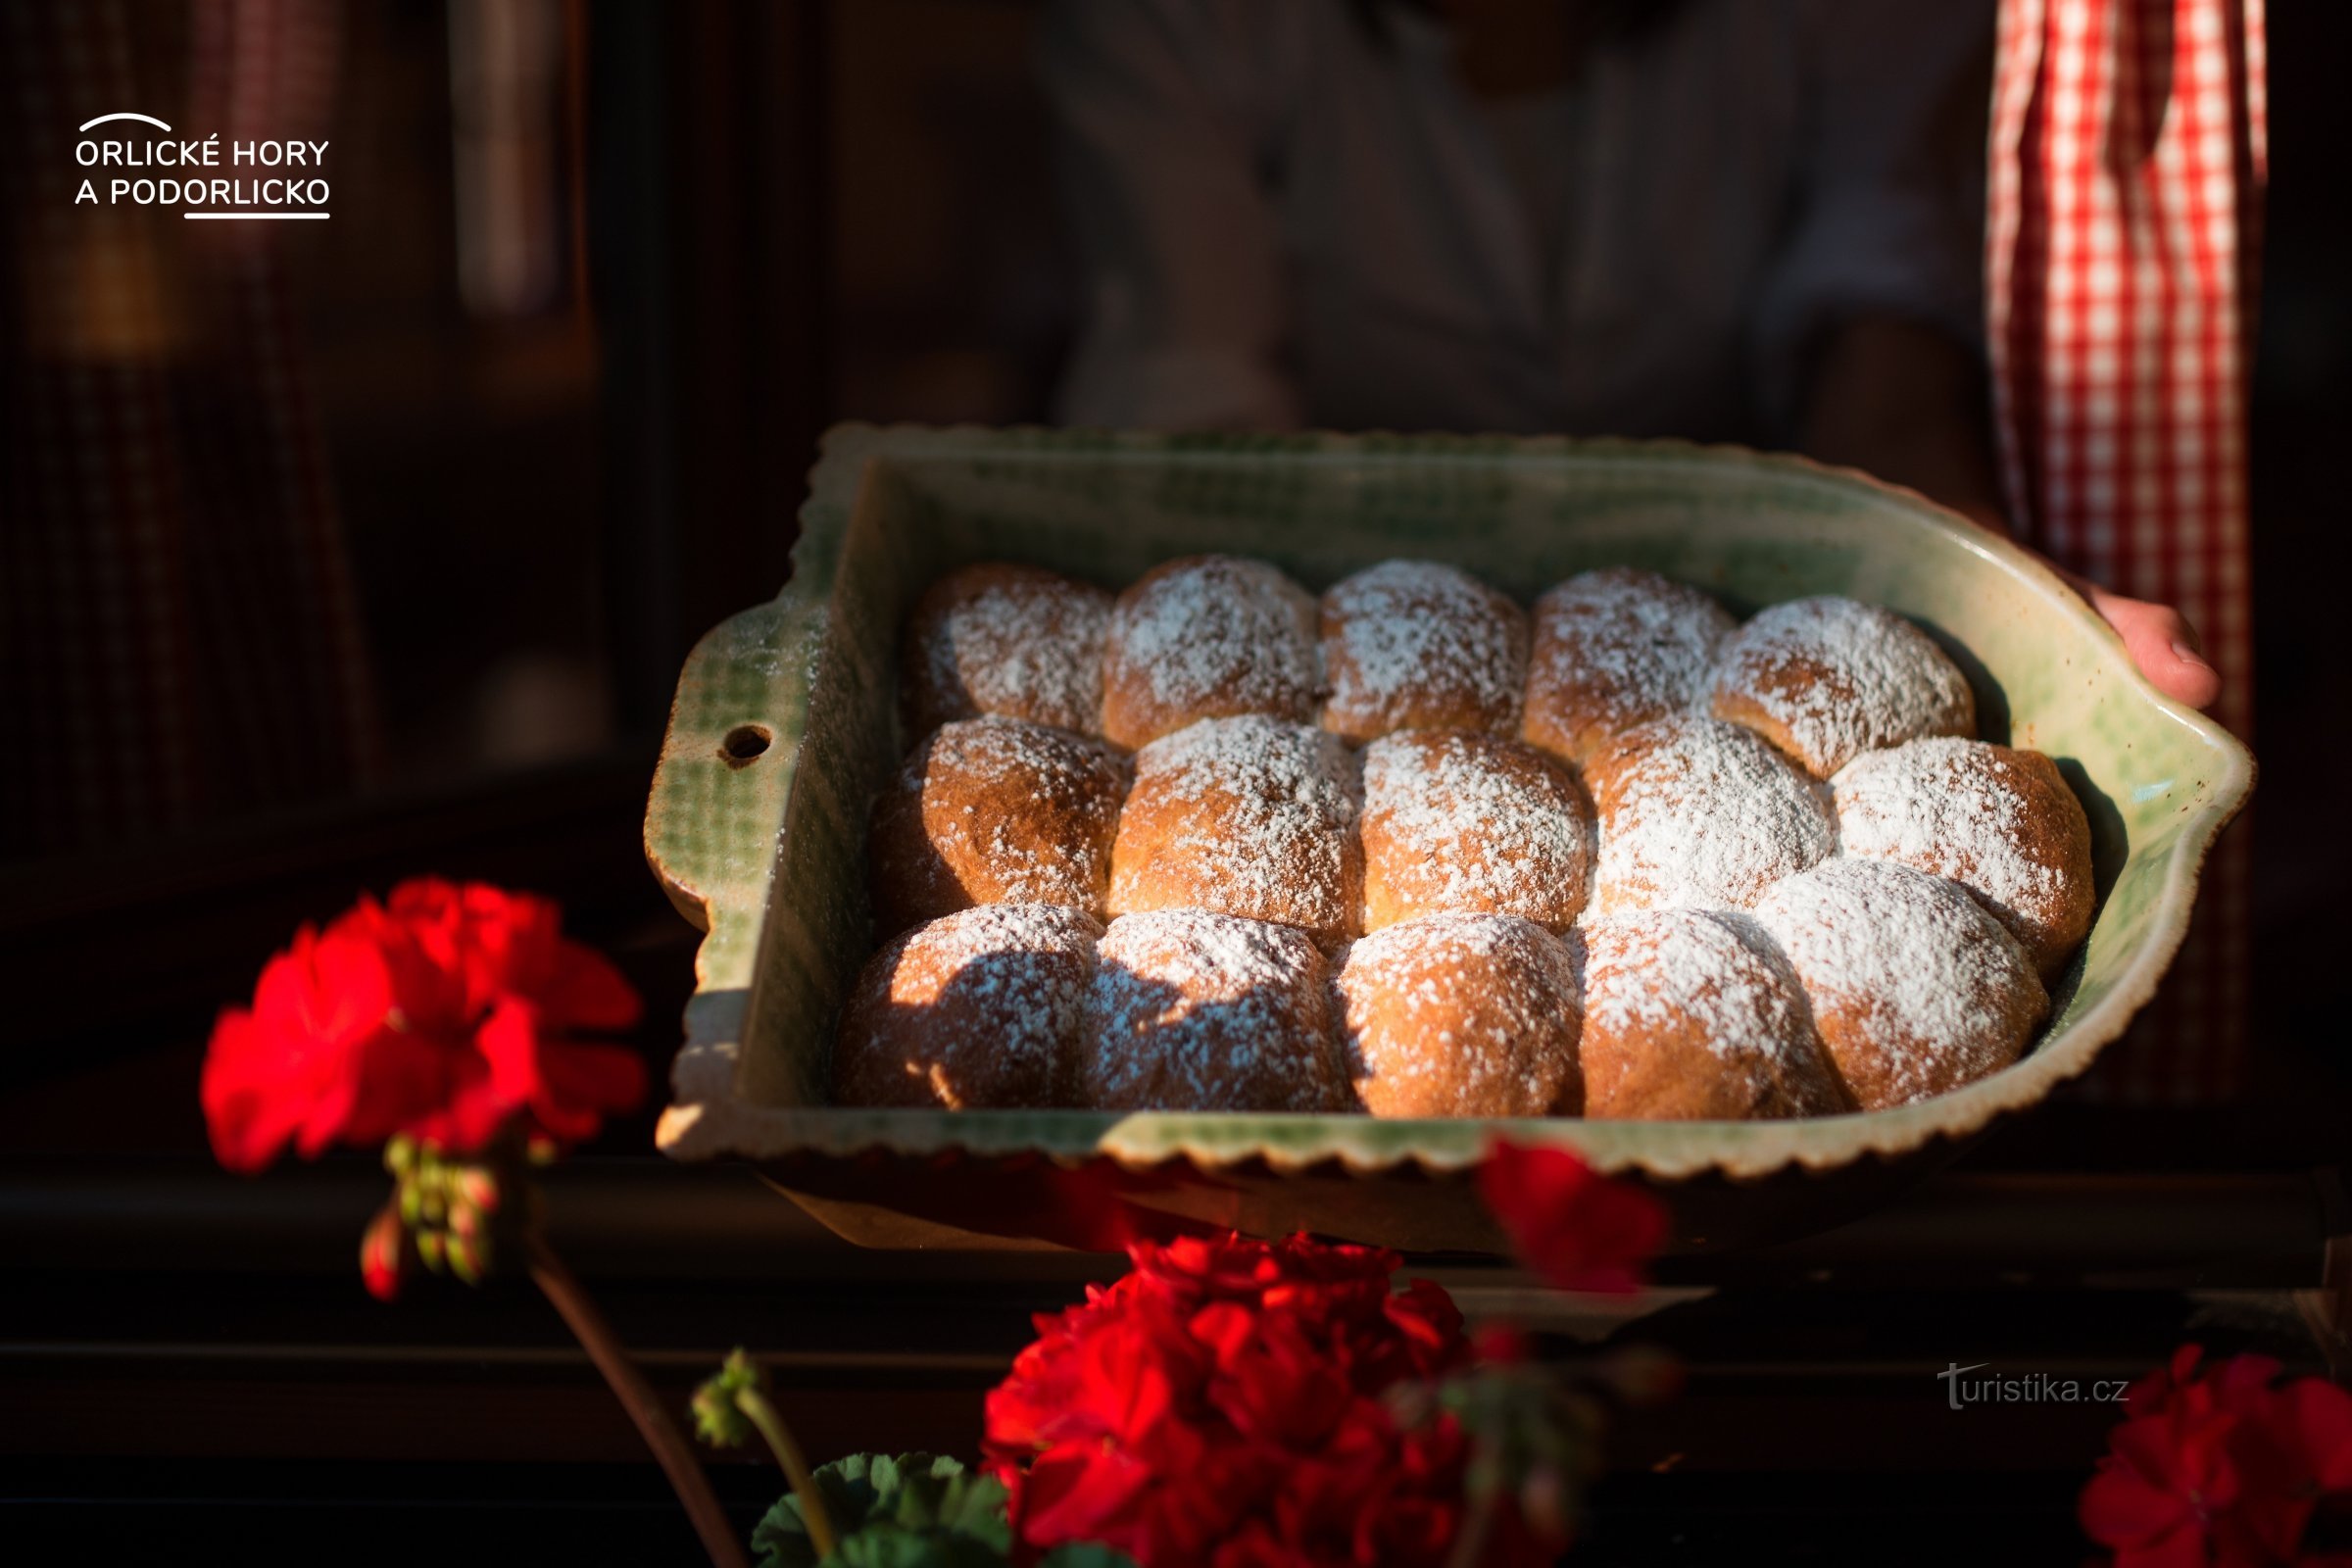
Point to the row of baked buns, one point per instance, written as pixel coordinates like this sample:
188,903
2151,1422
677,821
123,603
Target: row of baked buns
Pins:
1858,984
1410,752
1418,644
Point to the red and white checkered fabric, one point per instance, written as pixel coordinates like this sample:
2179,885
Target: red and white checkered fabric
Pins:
2129,158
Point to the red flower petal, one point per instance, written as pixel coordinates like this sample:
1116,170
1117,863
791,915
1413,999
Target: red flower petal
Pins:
2315,1418
443,1012
1576,1228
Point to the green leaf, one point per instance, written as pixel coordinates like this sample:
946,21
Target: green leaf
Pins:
1086,1555
916,1510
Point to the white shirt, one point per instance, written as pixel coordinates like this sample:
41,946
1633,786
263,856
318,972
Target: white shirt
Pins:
1291,218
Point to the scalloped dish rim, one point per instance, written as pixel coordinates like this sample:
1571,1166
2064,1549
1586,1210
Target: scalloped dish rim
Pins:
707,1119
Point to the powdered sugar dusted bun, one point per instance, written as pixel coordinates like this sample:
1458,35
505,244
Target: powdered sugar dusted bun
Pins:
996,811
1420,645
995,638
1696,811
1458,821
1614,649
1826,679
1999,822
1459,1016
980,1009
1207,637
1189,1010
1916,990
1249,817
1695,1015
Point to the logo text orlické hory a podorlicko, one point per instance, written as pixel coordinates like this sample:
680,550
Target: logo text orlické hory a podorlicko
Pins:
266,177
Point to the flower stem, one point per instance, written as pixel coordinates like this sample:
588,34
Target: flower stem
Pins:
761,1415
568,1298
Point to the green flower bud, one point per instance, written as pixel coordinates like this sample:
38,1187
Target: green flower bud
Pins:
718,1419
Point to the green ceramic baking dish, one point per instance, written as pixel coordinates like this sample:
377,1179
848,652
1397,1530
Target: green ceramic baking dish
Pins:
784,727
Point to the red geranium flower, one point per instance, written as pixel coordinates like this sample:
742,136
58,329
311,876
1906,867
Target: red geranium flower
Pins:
2225,1467
1223,1404
446,1013
1576,1228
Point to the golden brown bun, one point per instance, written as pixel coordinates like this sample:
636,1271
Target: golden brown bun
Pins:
1998,822
1695,1015
996,638
1826,679
1189,1010
996,811
1419,645
1459,1016
1613,650
1698,812
982,1008
1462,822
1916,990
1248,817
1207,637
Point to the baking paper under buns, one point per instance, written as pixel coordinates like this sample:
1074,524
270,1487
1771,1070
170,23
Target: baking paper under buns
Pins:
1916,990
1695,1015
1826,679
1998,822
1207,637
1698,812
1456,821
996,811
1196,1012
1248,817
1420,645
1613,650
981,1008
1459,1016
996,638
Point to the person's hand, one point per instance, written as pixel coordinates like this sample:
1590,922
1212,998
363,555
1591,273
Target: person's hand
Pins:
1902,400
2160,640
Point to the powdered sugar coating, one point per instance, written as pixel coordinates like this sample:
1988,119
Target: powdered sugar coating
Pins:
1414,644
996,811
1826,679
1207,637
1615,648
980,1009
1696,811
1189,1010
1459,1016
1458,821
1999,822
1915,989
1695,1014
1249,817
996,638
